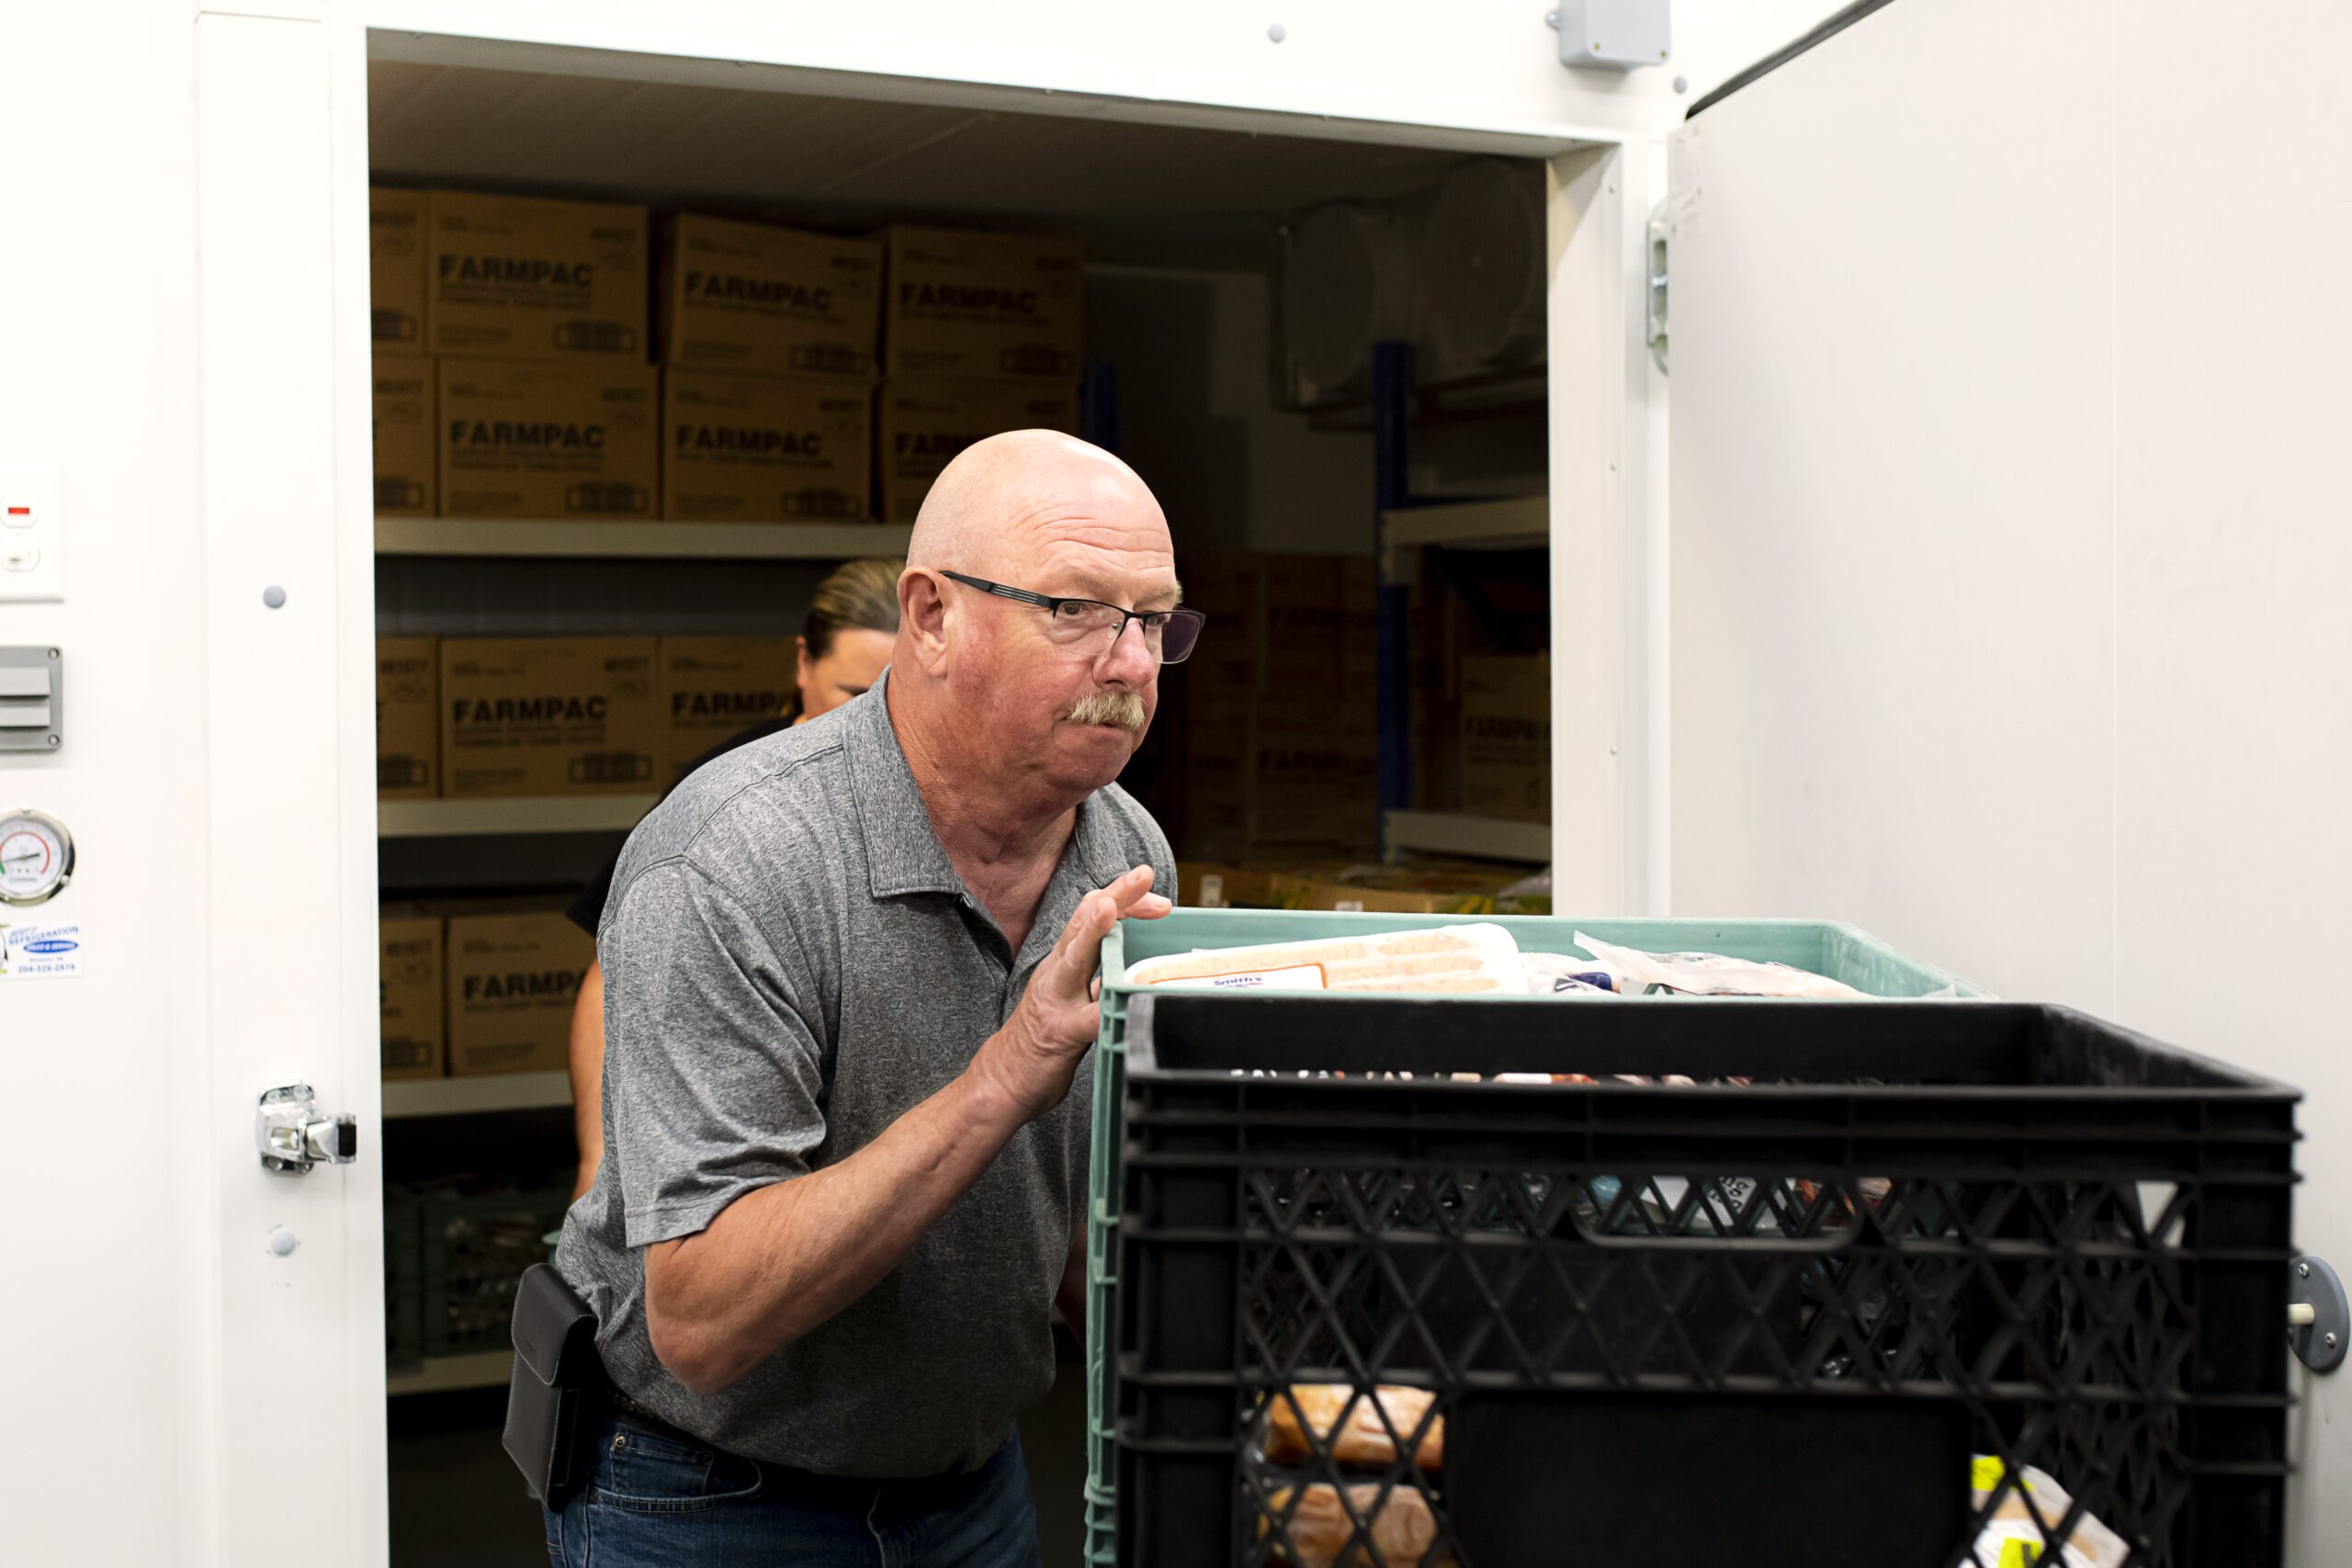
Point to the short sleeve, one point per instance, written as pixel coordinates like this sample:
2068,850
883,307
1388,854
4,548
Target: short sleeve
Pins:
713,1077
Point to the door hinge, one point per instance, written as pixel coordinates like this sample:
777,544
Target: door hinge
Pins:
1655,267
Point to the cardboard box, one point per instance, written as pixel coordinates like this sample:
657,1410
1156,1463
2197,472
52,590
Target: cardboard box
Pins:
520,438
1281,621
405,444
714,688
396,275
513,979
971,304
1438,888
1217,884
408,729
754,298
407,969
1278,705
1273,775
765,448
923,424
519,277
1507,737
549,715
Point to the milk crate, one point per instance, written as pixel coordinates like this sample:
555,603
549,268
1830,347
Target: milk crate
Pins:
1674,1325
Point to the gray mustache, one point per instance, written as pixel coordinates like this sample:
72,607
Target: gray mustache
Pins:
1122,708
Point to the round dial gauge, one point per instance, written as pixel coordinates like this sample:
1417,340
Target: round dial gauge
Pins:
36,857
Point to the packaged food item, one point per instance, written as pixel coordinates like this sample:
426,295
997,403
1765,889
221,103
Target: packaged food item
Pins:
1322,1529
1355,1427
1481,958
1565,975
2012,1536
1710,974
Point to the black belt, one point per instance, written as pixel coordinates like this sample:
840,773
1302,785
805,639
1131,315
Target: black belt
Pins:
624,1405
842,1490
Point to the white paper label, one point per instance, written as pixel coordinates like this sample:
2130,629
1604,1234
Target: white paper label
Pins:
40,950
1303,977
1212,891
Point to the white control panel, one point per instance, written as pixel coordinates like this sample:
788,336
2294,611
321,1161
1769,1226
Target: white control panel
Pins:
33,534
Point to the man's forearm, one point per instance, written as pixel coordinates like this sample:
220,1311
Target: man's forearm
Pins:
781,1260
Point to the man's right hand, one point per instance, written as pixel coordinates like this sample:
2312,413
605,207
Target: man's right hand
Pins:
1034,1056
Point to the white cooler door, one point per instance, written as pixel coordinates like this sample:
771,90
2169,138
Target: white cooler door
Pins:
2009,534
1891,611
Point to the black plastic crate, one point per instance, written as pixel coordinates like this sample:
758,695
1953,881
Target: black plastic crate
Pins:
1695,1325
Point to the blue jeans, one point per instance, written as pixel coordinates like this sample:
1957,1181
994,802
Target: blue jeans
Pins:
658,1499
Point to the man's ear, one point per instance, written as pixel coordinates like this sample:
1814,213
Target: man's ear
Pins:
923,611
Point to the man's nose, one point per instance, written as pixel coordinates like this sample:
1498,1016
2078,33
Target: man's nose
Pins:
1130,659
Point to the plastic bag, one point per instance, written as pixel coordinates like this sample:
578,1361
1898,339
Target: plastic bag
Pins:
2011,1536
1565,975
1709,974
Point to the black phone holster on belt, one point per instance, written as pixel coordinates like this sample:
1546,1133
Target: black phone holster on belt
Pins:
551,1404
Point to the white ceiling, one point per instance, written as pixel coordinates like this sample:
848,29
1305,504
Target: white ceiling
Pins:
1135,192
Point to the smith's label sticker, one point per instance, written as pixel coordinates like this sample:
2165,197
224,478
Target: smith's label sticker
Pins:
1299,978
40,950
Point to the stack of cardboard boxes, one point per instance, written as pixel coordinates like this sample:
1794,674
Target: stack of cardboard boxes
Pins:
1278,747
767,352
983,334
517,376
510,372
474,717
1481,726
479,988
1278,704
1426,887
470,989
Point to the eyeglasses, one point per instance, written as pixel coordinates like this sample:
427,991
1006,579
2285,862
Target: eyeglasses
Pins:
1089,622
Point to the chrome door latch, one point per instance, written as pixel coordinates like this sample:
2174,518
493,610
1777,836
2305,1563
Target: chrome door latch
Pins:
292,1136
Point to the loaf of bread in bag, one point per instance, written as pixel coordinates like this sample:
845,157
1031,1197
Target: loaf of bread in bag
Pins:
1321,1534
1355,1433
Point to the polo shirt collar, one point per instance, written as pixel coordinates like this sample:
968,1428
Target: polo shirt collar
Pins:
902,851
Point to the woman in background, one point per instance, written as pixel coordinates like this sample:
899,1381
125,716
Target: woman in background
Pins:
853,622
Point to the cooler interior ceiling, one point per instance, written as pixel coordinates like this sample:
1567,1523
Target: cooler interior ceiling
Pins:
1135,192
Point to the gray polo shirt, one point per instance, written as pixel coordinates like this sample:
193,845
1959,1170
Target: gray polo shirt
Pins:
791,964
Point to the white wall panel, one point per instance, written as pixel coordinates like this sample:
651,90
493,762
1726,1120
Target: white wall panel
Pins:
108,1447
1367,66
2233,576
2012,544
1893,631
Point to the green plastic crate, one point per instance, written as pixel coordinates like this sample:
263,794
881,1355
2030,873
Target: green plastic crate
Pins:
1840,951
475,1249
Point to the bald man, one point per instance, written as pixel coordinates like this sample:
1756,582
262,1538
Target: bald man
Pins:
849,998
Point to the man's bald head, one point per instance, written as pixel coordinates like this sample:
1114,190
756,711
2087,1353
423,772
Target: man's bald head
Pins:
1005,500
999,697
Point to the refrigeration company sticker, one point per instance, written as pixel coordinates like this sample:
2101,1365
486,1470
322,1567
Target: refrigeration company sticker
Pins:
40,950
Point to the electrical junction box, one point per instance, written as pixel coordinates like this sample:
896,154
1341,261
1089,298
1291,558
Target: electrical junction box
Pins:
33,534
1613,34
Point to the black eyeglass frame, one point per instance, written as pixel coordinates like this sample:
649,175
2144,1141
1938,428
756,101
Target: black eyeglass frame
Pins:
1052,605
